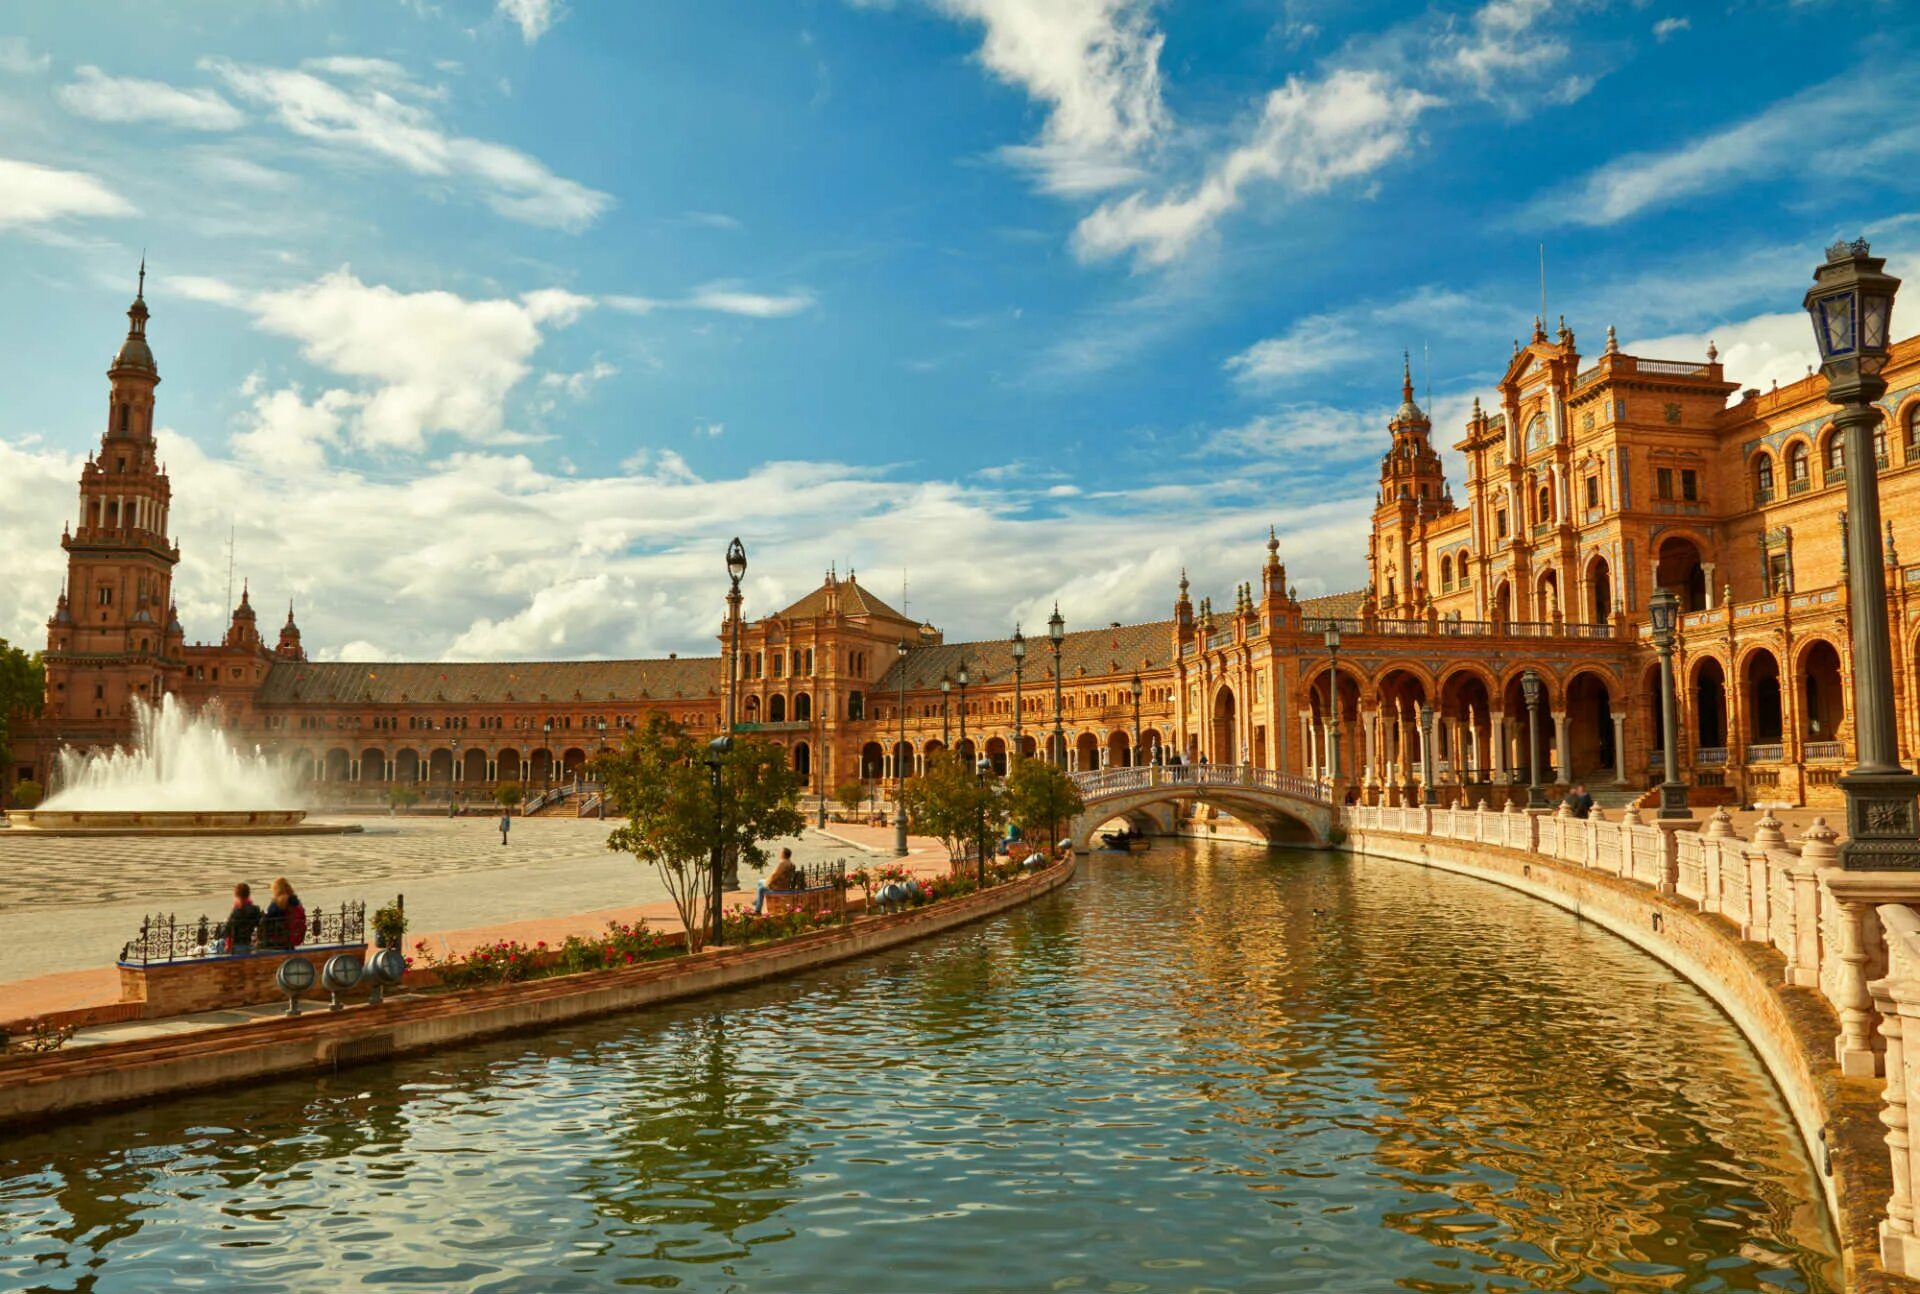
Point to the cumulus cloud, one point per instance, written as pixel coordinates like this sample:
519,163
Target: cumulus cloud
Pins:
287,435
1310,136
1503,53
31,194
1095,64
534,18
1671,27
357,114
424,362
728,297
18,59
96,95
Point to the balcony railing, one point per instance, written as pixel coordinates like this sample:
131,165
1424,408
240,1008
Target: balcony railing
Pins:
1771,753
1710,756
1460,628
1826,750
1798,487
1762,495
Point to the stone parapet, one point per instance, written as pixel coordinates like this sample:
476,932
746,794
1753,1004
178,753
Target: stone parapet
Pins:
1792,949
211,983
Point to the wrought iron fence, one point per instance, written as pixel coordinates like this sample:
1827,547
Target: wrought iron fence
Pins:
165,937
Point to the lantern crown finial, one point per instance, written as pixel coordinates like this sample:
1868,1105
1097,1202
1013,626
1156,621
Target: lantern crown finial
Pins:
1845,250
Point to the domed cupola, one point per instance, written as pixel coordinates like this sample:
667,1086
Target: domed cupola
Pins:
1409,415
134,352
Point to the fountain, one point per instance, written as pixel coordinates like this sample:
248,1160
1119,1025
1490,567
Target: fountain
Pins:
182,777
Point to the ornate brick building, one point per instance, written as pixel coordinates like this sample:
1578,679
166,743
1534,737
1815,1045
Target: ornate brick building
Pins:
1591,485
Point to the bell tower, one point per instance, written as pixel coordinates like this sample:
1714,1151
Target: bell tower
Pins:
107,641
1413,489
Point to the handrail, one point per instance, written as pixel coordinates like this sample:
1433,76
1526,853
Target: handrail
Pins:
1096,783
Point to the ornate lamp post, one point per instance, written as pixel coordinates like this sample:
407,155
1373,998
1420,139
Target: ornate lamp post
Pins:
736,569
603,777
453,775
1851,303
1333,705
983,770
900,773
1432,793
546,737
1135,687
1663,611
1534,691
963,678
1019,648
946,711
1056,634
717,751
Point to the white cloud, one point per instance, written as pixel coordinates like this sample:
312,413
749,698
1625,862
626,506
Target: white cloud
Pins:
96,95
1846,125
1313,345
31,194
533,17
286,435
710,430
1096,65
18,59
1285,433
714,220
360,116
424,362
577,385
729,298
1500,50
1310,136
1671,26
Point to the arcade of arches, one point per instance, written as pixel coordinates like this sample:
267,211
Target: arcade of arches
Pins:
1632,475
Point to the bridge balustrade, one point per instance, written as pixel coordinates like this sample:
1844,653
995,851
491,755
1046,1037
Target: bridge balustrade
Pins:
1104,782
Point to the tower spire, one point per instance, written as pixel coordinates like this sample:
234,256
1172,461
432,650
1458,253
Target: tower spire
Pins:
1406,377
140,292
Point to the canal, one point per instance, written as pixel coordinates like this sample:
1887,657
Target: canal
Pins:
1198,1068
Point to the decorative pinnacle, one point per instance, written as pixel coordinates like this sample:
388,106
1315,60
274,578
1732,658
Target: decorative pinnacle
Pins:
1713,352
1844,250
140,292
1406,377
1613,342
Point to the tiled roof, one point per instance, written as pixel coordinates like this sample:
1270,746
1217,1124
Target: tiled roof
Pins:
1100,651
1334,606
515,682
853,599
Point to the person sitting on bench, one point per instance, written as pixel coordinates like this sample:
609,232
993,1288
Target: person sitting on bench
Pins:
785,876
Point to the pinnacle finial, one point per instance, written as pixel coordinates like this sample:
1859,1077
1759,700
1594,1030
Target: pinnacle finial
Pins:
140,292
1613,342
1406,377
1713,352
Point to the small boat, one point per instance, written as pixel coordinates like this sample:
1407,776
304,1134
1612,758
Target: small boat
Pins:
1125,842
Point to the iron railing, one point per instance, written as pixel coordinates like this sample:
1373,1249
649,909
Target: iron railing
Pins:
165,937
1095,783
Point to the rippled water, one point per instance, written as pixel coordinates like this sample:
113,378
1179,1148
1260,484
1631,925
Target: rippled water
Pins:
1192,1069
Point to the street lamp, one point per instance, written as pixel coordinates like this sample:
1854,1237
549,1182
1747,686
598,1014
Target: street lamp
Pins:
900,773
946,720
603,773
1533,690
717,751
736,569
983,771
1019,648
1333,705
1851,304
1133,756
546,734
1663,611
1056,634
453,775
963,679
1432,794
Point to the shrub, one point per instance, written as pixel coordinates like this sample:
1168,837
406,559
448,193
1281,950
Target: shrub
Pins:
850,796
402,796
26,794
390,925
508,795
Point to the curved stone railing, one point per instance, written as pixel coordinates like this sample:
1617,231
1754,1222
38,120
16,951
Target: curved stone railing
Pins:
1099,783
1834,933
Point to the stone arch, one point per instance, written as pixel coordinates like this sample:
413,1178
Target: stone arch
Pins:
1907,418
871,761
803,762
776,708
406,765
1546,601
1226,736
336,764
902,759
1680,569
1119,749
1318,760
473,765
1465,733
506,766
1797,454
1086,752
997,754
1591,705
1833,467
802,707
1707,689
1599,590
750,710
440,766
1760,474
1502,607
573,761
373,765
1822,700
1760,688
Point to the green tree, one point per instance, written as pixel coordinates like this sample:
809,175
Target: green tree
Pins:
850,796
26,795
659,781
1040,796
402,796
949,801
23,690
508,795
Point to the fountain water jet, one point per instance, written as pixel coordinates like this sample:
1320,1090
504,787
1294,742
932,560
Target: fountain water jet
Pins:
182,776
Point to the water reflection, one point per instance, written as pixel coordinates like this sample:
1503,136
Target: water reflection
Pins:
1194,1069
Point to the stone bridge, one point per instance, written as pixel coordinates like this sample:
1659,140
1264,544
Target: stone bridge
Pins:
1286,808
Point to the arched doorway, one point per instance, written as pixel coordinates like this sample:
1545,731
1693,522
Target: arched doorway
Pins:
1546,604
1119,749
902,759
1503,604
1824,705
997,755
803,762
802,708
1681,573
406,765
573,762
506,766
1590,731
1086,752
1599,591
776,709
1226,747
1709,706
1765,718
474,766
440,766
870,761
338,763
1465,726
373,766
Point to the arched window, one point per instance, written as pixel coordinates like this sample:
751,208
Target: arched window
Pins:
1762,479
1797,464
1880,445
1543,513
856,706
1836,463
1910,448
776,708
1537,432
126,418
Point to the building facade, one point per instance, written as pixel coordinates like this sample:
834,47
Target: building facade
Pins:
1590,486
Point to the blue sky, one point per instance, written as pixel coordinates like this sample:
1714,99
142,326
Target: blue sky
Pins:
483,326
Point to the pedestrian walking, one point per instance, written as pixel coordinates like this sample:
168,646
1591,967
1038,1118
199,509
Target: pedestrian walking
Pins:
506,825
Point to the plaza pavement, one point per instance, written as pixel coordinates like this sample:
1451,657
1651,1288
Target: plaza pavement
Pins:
71,902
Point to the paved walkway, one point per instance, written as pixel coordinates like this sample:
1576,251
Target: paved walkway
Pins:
561,893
